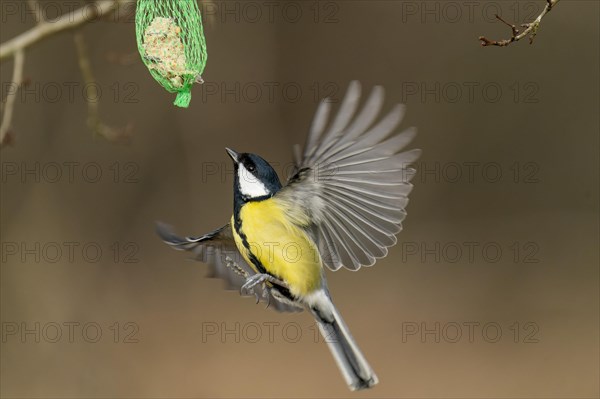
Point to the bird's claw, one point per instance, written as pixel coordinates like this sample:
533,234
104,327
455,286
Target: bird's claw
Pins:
257,297
248,288
267,295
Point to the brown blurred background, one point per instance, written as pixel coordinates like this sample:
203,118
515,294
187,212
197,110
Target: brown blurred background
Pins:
510,257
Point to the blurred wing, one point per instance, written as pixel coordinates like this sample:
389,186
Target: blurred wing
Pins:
218,250
353,180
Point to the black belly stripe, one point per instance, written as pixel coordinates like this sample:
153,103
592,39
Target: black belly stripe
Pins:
253,259
259,266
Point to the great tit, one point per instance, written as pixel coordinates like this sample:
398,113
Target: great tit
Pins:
342,207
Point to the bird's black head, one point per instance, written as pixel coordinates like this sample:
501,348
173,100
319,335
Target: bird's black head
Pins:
255,179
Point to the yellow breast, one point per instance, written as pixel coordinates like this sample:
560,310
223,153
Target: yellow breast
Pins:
282,247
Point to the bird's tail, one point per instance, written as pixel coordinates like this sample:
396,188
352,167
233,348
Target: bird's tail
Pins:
350,360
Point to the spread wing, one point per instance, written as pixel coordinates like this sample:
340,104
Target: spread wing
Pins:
218,250
353,180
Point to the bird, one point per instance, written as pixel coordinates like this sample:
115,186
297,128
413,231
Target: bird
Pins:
341,208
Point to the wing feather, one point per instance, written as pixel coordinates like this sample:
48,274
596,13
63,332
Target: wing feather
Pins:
318,127
218,250
354,180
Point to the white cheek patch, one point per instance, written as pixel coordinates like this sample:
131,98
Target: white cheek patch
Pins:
250,186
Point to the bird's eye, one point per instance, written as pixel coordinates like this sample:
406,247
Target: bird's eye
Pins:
251,168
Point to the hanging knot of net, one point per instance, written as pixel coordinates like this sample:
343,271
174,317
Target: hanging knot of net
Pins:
171,42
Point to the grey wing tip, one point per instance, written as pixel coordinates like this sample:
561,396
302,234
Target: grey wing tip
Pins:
411,131
416,154
165,232
354,89
378,90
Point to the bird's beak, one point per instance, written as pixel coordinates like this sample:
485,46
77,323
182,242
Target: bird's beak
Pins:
234,155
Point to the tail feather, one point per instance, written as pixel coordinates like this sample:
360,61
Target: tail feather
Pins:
350,360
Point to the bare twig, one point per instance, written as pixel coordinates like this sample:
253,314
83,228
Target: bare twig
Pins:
530,30
67,21
16,47
17,80
92,98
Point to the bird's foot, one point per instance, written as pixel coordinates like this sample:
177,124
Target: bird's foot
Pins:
260,279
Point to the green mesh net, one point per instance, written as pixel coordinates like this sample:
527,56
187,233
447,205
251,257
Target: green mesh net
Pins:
171,42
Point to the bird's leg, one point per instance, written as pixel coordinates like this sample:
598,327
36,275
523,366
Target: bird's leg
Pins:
263,278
